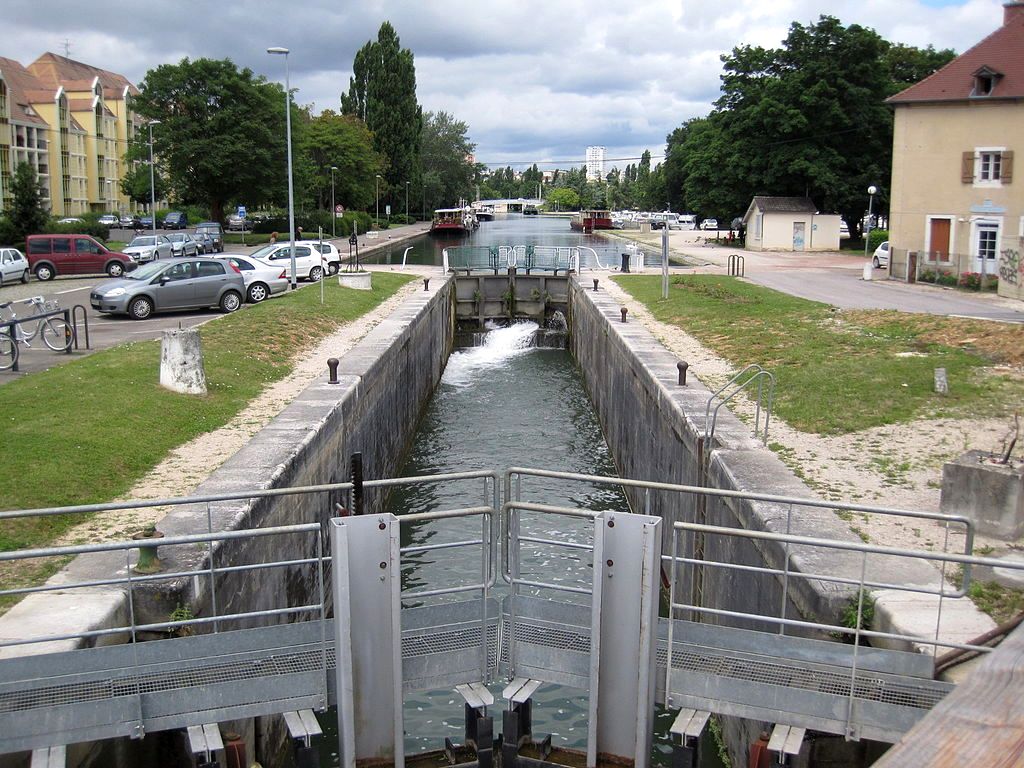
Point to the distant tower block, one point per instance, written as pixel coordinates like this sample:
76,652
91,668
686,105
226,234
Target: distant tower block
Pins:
595,163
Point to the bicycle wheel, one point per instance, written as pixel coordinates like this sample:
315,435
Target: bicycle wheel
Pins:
8,351
56,334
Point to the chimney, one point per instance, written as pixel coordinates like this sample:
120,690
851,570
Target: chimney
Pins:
1013,9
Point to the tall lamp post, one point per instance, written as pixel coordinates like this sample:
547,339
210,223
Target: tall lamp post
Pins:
872,191
376,194
334,213
152,181
288,123
407,202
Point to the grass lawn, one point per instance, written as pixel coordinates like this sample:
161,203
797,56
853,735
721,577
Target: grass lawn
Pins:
843,371
87,431
235,238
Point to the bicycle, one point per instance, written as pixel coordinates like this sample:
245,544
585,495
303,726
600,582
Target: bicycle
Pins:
54,331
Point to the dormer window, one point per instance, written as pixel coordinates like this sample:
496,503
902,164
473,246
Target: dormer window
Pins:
985,80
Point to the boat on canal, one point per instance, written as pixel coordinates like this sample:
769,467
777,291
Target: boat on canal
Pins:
588,221
484,212
453,221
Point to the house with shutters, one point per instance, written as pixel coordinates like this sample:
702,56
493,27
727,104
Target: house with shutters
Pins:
954,204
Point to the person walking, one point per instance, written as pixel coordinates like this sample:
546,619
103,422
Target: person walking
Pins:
298,233
273,237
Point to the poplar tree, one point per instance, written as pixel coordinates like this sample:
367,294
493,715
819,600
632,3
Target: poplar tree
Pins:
27,214
382,93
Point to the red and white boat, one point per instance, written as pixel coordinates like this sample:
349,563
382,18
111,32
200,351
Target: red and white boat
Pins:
453,221
588,221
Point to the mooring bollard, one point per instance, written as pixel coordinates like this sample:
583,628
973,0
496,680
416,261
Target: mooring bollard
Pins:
595,283
332,366
682,366
625,263
149,561
624,311
426,283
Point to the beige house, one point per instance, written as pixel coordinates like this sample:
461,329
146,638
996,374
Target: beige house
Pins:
72,122
954,202
789,224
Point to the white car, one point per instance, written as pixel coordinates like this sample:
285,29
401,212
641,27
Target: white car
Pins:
262,280
147,248
183,244
709,224
308,262
109,220
331,256
13,266
69,220
881,257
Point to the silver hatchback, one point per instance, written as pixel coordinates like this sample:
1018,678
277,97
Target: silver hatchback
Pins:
161,286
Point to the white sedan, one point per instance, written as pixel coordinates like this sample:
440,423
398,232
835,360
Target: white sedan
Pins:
881,256
331,257
148,248
13,266
308,261
262,280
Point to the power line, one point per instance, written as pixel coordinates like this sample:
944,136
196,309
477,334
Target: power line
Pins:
570,162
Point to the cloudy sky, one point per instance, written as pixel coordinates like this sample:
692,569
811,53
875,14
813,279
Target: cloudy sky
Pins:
535,81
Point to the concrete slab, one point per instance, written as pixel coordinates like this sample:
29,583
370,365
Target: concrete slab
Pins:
63,613
918,615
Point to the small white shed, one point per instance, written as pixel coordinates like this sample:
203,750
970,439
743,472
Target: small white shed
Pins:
789,224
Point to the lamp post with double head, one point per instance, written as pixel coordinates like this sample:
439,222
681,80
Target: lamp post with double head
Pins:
152,183
334,213
288,129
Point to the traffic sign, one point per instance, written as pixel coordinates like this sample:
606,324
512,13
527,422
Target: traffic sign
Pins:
339,209
241,211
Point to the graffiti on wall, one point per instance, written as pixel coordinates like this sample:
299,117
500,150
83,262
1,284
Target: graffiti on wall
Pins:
1011,270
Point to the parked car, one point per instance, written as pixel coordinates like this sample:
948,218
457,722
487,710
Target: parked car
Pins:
216,233
109,220
130,221
204,242
183,244
331,257
881,257
69,220
13,266
709,224
308,265
146,222
262,280
167,285
175,220
52,255
148,248
844,229
237,224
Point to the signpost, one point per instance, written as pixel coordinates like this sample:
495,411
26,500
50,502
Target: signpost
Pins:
241,215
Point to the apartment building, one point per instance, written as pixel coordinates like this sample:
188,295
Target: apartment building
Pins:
72,122
595,163
955,202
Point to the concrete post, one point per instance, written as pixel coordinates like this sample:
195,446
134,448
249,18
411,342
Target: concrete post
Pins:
181,362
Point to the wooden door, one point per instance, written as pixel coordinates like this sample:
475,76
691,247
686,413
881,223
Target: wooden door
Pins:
938,239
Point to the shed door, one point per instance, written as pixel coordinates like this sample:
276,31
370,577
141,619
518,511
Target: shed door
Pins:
799,232
938,240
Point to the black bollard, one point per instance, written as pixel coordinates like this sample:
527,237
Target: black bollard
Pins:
625,263
332,366
595,283
682,366
426,283
624,311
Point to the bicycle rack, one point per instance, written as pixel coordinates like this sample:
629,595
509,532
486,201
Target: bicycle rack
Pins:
73,324
736,265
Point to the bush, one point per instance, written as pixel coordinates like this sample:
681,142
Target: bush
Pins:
8,236
876,238
946,277
89,226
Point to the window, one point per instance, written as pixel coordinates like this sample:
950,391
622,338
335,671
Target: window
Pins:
179,271
37,247
987,243
985,81
989,164
82,245
987,167
210,268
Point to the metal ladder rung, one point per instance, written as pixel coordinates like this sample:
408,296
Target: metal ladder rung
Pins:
689,723
475,694
786,739
520,690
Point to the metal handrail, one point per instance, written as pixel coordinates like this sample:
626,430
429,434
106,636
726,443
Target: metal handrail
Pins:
759,373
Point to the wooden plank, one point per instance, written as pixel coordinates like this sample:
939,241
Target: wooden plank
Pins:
980,723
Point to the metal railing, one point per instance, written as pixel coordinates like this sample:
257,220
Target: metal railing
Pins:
755,375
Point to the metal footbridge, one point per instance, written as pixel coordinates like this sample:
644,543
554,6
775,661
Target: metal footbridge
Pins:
558,596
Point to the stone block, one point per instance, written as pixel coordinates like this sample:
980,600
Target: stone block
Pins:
989,494
181,362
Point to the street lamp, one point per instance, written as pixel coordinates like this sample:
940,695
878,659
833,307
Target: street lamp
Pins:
872,191
376,194
288,123
152,185
334,213
407,202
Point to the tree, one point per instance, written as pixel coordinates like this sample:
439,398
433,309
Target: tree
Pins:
564,199
907,65
445,152
221,135
135,184
330,139
382,93
27,214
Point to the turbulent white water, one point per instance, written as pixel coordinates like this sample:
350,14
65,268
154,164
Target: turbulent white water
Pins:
500,346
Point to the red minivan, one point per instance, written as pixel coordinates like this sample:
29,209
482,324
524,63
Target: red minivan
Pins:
52,255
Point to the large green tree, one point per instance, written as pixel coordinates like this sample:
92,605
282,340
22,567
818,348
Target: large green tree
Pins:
221,136
382,93
135,184
27,214
344,142
808,118
445,152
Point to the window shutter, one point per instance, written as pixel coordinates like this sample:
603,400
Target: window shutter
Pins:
967,168
1006,167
